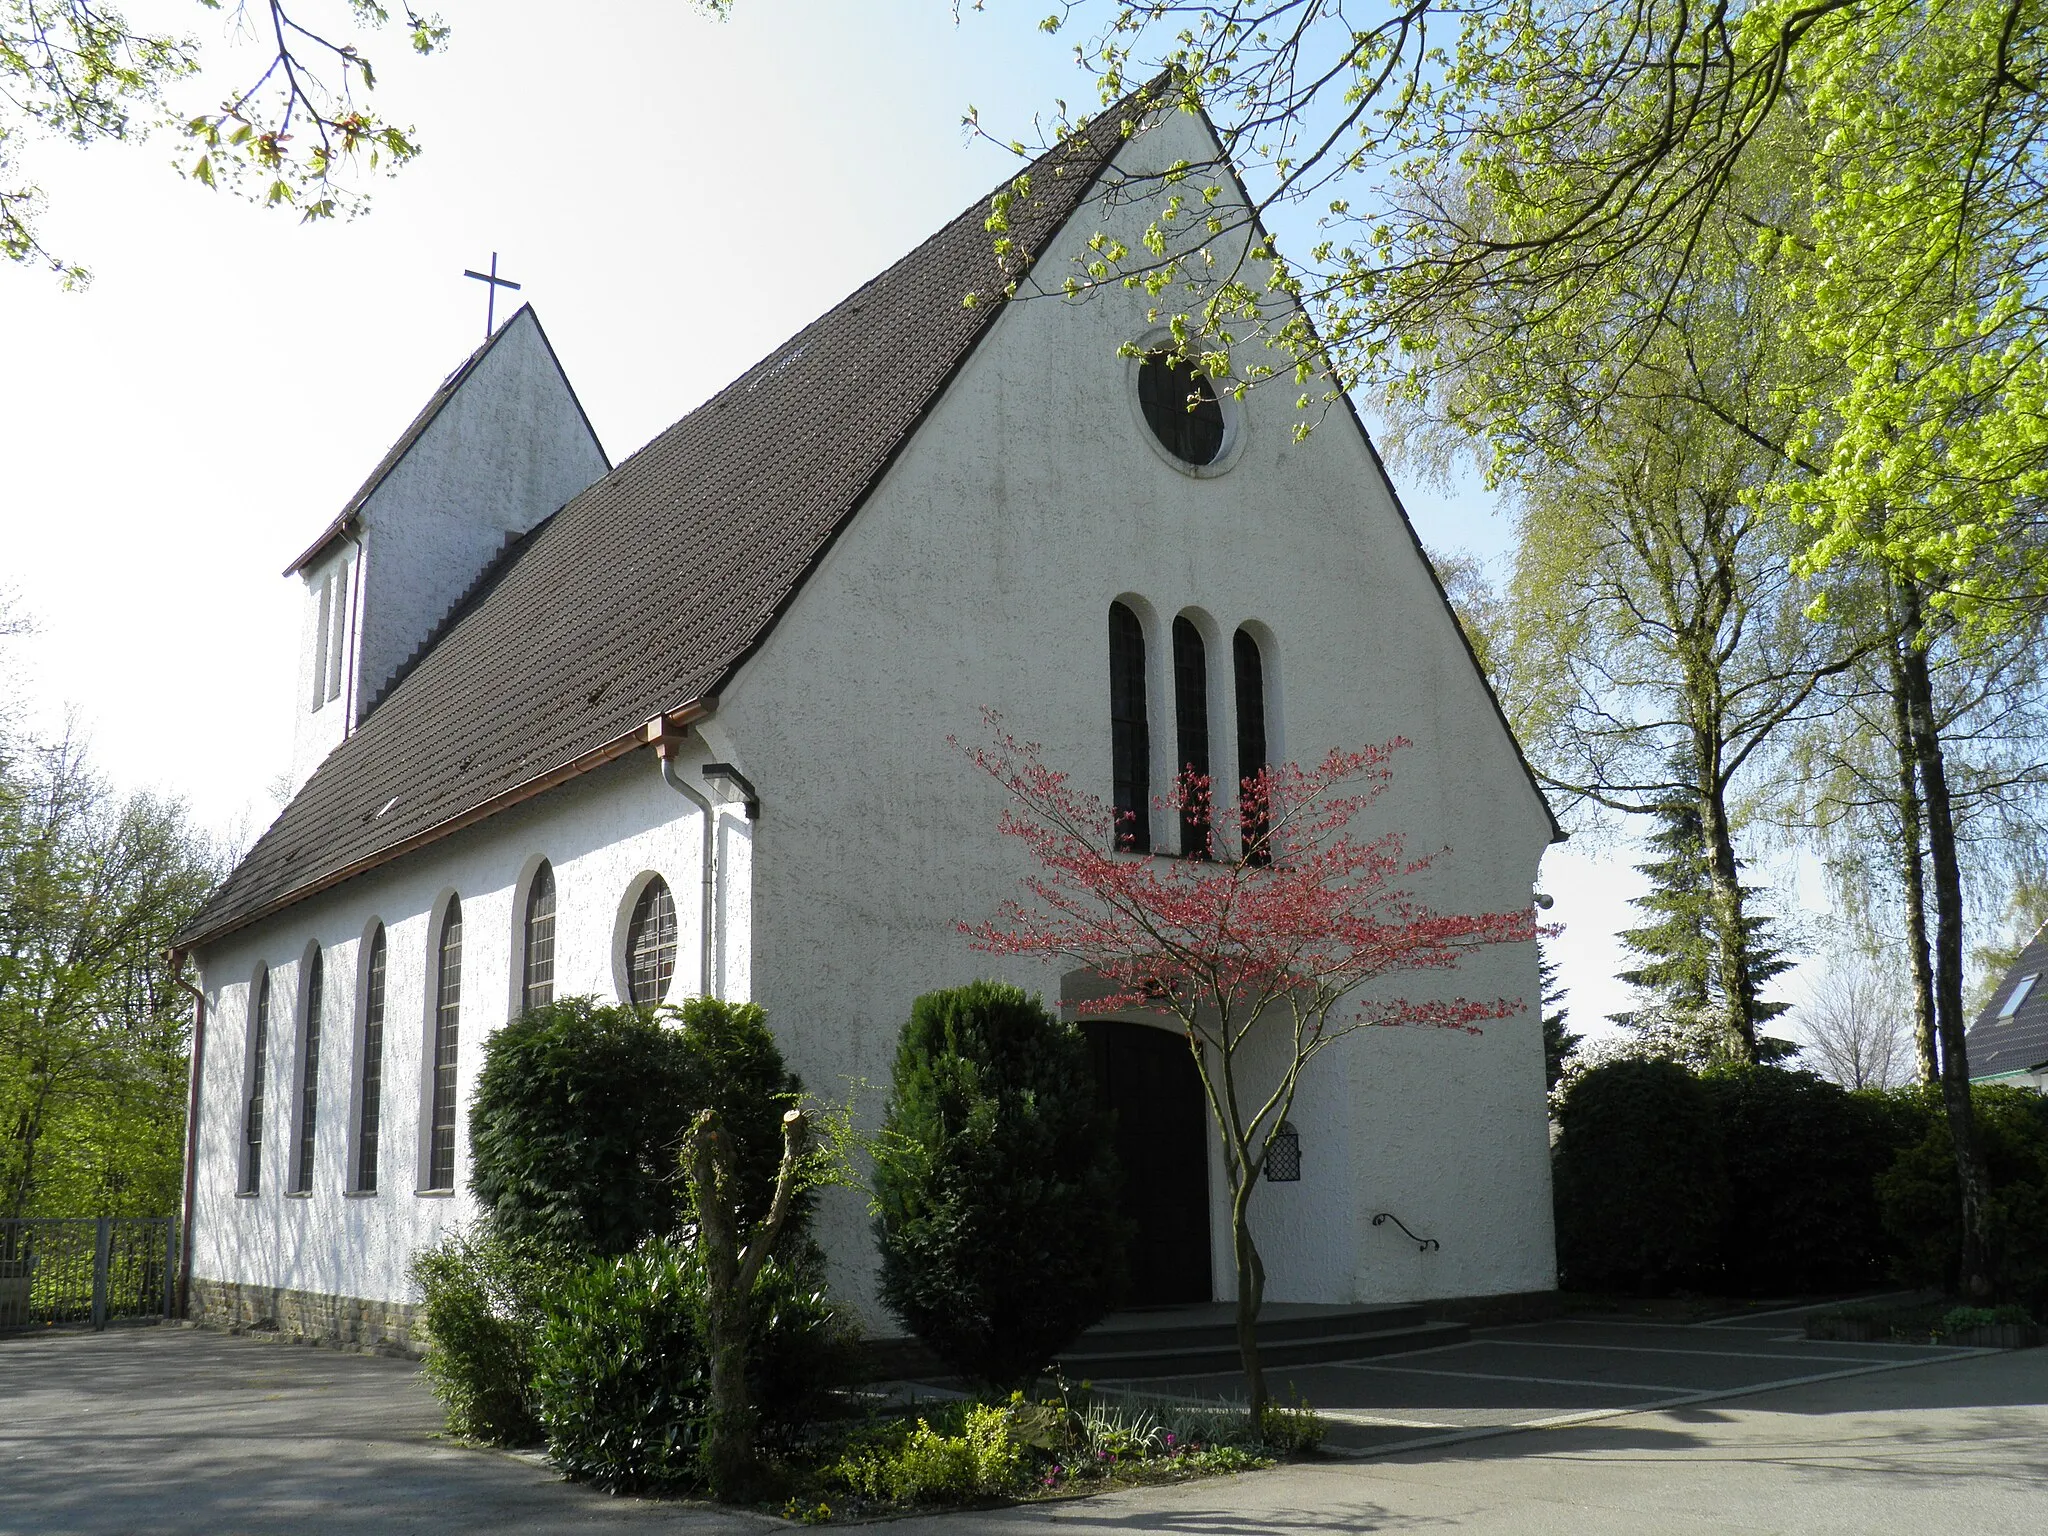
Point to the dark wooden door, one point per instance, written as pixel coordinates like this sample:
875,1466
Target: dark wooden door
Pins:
1148,1078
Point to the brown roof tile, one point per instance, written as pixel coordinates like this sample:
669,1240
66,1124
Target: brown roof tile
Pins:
643,594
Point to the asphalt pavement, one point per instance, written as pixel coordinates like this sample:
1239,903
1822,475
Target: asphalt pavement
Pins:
1592,1428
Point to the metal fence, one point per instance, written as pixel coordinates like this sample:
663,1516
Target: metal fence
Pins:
86,1271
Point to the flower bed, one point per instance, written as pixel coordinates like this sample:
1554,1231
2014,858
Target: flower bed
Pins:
959,1454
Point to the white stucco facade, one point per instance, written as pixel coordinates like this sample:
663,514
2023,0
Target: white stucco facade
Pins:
979,573
507,447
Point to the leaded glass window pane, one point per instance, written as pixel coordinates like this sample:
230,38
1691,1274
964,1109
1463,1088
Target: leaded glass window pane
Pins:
1181,408
651,944
309,1080
539,988
252,1114
373,1066
1191,720
447,1014
1251,744
1130,737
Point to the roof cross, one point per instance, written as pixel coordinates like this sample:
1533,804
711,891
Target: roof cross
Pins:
495,283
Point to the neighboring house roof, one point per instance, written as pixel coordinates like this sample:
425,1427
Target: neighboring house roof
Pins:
644,594
425,419
1999,1046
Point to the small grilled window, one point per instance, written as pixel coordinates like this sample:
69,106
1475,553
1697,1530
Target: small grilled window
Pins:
252,1111
309,1080
373,1066
539,985
1283,1161
1181,408
1191,720
1129,736
447,1017
651,944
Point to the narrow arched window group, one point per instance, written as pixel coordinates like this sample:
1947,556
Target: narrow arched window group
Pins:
649,950
1131,736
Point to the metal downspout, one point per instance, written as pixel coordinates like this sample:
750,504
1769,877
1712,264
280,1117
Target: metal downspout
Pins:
667,748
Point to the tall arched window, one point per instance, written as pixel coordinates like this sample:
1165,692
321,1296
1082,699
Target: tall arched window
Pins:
368,1124
1251,742
651,944
447,1015
1130,737
1191,722
309,1079
252,1110
538,986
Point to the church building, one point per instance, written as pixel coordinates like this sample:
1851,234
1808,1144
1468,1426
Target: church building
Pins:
680,726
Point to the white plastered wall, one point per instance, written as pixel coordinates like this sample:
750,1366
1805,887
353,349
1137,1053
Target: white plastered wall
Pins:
601,835
980,573
507,448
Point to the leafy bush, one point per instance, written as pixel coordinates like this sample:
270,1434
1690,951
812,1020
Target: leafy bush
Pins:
621,1374
581,1107
574,1124
1802,1156
483,1300
995,1184
622,1377
983,1461
1922,1206
1641,1190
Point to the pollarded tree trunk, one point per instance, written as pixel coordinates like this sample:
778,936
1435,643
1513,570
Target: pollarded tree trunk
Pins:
1948,949
729,1276
1913,873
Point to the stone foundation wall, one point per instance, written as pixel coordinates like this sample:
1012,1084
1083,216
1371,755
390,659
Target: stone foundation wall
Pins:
340,1322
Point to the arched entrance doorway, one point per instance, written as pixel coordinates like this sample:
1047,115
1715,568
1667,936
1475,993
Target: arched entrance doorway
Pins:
1148,1077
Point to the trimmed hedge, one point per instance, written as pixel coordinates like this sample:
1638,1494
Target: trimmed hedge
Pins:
1638,1177
995,1184
580,1111
1922,1205
1762,1181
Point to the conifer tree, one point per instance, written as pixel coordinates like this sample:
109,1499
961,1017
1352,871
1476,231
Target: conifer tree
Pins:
1558,1042
1686,1013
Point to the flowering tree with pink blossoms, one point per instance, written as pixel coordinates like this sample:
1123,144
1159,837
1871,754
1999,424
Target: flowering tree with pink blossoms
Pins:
1273,934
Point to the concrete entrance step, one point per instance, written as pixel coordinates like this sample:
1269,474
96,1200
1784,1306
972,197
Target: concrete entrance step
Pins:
1197,1340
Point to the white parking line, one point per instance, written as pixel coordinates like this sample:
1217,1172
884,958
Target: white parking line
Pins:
1548,1381
1601,1415
1377,1421
1654,1349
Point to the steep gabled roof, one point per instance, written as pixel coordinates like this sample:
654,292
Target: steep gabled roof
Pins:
645,593
1998,1046
425,419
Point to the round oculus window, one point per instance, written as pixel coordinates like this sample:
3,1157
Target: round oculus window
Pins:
1181,408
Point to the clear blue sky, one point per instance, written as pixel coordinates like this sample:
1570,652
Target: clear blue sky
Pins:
676,196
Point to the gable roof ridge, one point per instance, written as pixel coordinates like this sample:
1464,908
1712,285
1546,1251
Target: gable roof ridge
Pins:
425,417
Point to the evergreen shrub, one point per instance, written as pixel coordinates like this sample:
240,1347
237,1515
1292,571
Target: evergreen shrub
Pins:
995,1184
622,1374
1641,1191
1921,1203
483,1299
580,1111
1802,1156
